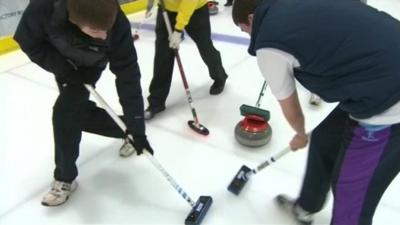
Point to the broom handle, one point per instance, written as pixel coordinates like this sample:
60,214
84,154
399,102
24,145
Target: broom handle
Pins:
166,18
180,65
170,179
273,158
264,86
153,160
108,109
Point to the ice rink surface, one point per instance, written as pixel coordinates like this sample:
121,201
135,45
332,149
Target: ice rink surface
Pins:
115,190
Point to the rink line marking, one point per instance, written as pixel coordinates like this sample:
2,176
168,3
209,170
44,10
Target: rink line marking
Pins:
16,67
36,193
215,36
20,76
150,27
239,62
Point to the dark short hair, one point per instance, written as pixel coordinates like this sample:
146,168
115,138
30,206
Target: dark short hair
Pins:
97,14
241,9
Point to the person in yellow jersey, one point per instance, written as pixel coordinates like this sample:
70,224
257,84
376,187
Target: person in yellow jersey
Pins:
193,17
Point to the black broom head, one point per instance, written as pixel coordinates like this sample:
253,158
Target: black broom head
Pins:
199,210
239,180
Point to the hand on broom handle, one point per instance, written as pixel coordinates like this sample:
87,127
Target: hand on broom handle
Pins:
110,112
193,124
122,125
275,157
200,207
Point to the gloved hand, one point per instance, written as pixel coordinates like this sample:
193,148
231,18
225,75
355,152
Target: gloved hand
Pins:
140,142
175,39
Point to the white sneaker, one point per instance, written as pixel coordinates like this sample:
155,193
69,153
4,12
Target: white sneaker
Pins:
59,193
289,205
314,100
126,149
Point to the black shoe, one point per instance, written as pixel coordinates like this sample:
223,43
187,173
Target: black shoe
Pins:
151,111
217,87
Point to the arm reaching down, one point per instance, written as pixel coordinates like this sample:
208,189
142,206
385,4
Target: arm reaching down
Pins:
294,115
277,68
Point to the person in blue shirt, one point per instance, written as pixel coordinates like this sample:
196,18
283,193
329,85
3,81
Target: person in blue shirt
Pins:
346,52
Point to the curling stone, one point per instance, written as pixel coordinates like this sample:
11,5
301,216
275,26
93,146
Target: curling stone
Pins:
253,131
212,7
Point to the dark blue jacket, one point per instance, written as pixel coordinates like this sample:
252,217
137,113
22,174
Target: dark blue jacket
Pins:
349,52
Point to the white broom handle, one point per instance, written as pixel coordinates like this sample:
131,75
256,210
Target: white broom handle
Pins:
111,112
273,158
155,163
170,179
166,18
261,95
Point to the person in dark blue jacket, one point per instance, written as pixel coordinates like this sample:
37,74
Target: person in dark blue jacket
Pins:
345,52
75,40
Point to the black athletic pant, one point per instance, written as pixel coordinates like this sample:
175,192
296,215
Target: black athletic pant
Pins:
229,2
72,114
199,30
358,161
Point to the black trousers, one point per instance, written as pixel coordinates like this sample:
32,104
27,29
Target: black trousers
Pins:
199,30
72,114
357,161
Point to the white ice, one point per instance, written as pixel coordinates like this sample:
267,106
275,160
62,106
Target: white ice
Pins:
115,190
